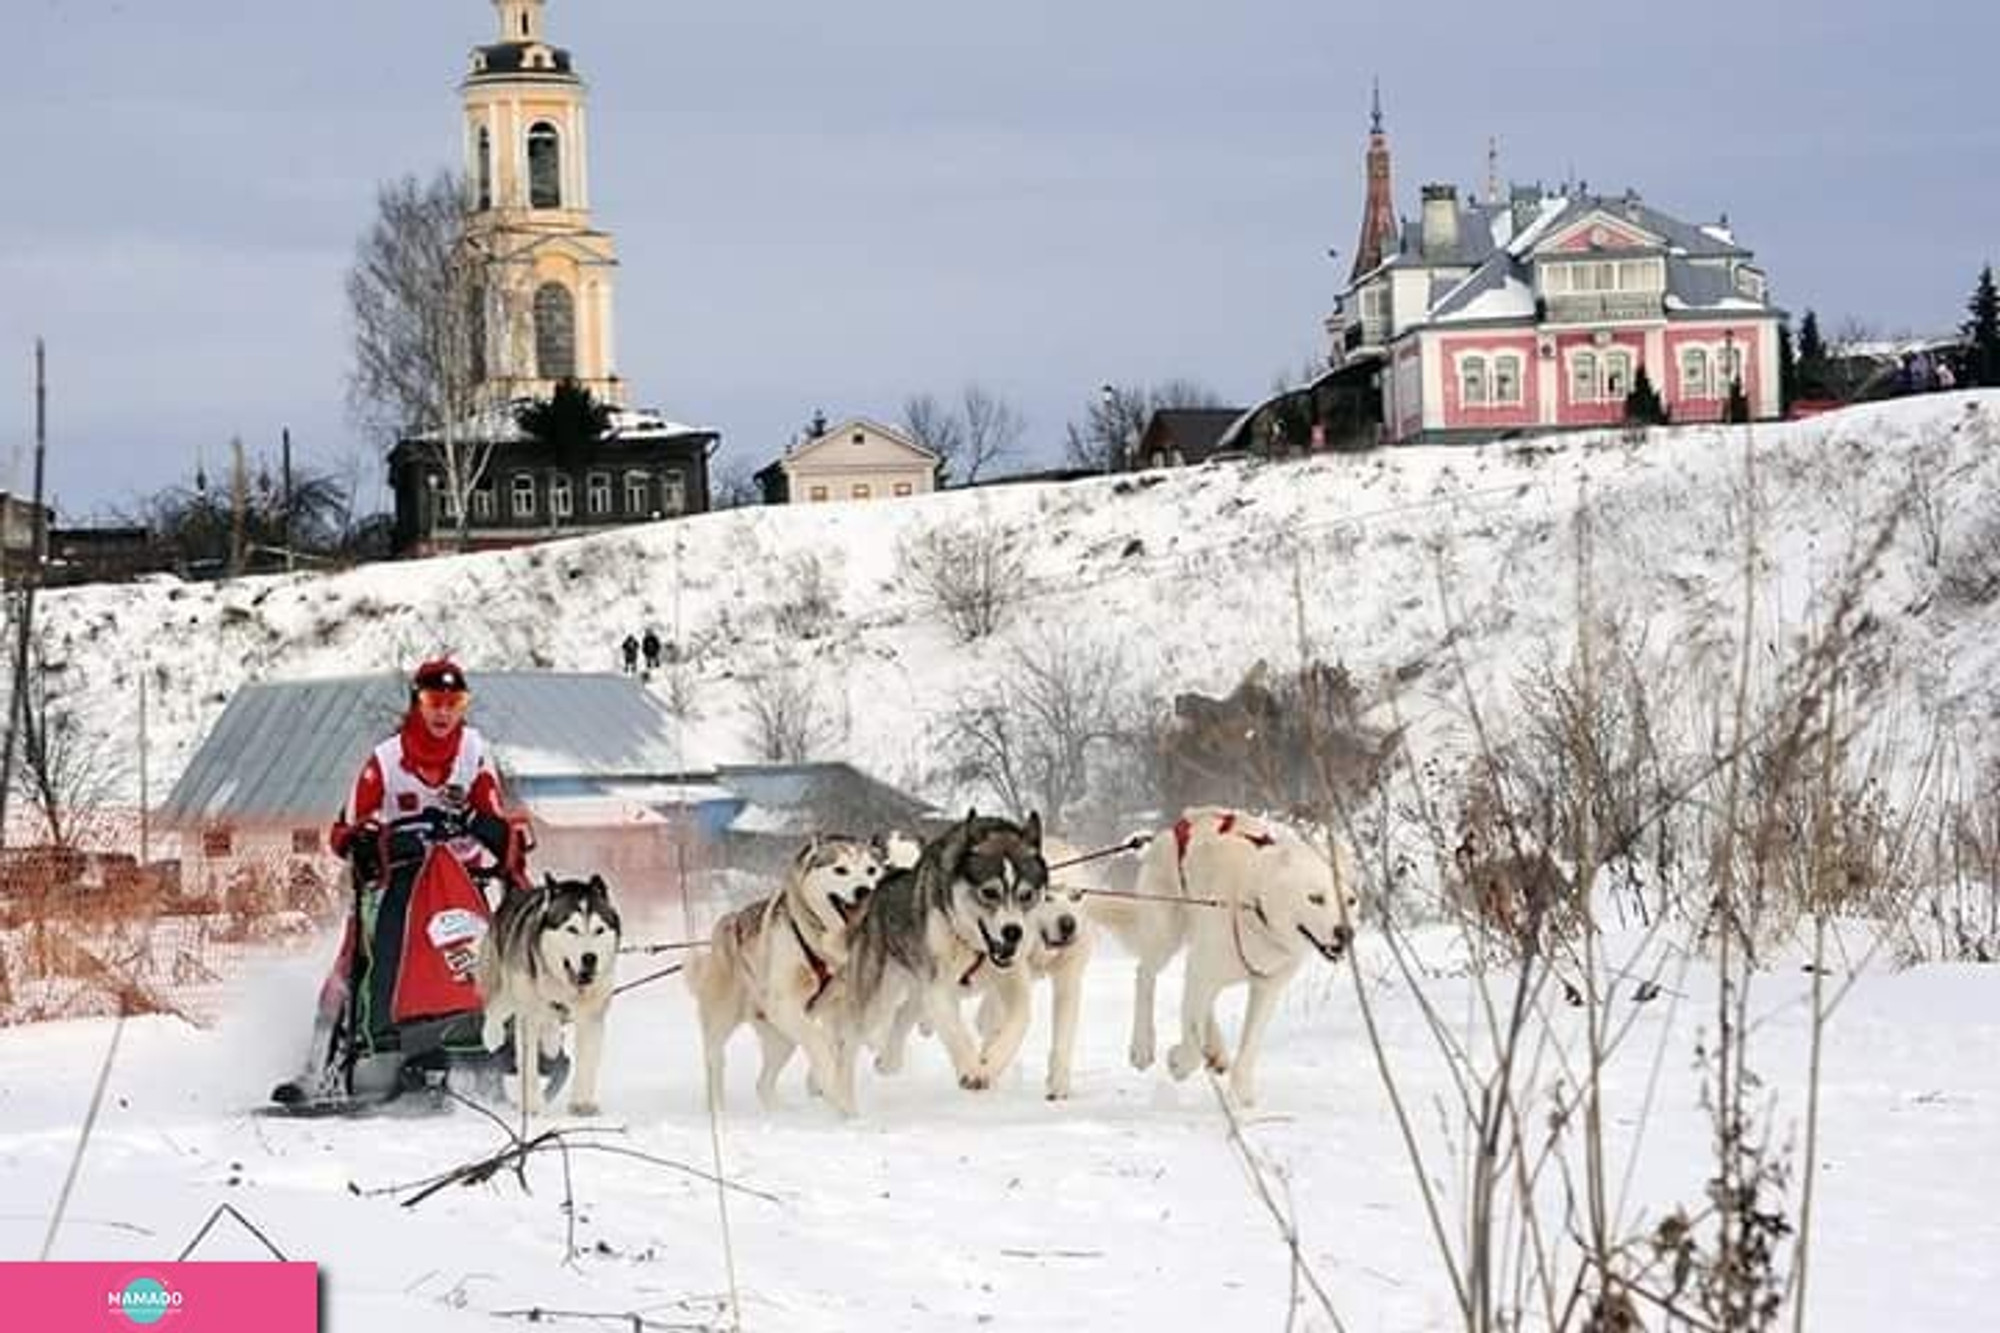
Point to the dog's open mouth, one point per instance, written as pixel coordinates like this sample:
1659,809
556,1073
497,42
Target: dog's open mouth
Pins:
1333,949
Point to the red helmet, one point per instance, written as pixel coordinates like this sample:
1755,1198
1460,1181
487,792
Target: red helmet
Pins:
440,673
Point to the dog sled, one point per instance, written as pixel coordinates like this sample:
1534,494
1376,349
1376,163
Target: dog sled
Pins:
400,1017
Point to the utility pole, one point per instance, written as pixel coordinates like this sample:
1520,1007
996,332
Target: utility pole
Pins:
38,529
238,501
285,523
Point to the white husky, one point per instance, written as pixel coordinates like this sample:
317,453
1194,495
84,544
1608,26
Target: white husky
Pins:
1251,900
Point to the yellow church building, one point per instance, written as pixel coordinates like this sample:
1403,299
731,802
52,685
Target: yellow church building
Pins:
548,317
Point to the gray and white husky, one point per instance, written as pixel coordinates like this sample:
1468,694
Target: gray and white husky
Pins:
967,907
550,960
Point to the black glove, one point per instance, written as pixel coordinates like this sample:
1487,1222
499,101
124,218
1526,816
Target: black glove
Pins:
488,830
364,851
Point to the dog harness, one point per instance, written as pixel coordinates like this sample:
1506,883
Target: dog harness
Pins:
822,974
1184,829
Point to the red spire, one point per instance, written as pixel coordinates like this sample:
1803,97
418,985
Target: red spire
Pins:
1378,219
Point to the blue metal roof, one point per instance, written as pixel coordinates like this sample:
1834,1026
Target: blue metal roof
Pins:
288,751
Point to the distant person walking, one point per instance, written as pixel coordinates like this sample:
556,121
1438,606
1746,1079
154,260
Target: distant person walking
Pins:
631,650
650,646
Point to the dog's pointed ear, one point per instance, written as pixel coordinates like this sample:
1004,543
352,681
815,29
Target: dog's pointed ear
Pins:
548,880
810,850
956,843
599,887
1032,830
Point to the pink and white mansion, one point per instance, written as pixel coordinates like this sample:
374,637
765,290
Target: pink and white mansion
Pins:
1538,309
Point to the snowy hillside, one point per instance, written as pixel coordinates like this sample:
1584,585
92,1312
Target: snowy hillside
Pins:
1130,1205
1188,576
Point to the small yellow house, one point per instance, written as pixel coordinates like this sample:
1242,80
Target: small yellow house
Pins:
855,460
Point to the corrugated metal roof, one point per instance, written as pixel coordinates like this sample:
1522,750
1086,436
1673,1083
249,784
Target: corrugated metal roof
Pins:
289,750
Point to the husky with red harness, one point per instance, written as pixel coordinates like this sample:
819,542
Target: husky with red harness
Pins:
423,831
773,963
1251,900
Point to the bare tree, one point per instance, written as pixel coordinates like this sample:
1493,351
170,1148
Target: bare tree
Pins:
1114,419
735,485
1033,739
968,577
789,722
68,770
971,435
421,295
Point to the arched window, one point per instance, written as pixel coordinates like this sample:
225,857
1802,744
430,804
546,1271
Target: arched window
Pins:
483,168
638,493
1472,381
1617,375
524,495
1583,378
1506,379
544,166
555,332
1694,373
562,502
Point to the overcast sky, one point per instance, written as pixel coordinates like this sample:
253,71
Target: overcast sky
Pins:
838,205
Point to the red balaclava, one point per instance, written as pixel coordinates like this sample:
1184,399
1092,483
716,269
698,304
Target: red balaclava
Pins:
430,757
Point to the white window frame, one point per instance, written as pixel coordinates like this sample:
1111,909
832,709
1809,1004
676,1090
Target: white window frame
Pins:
597,494
484,500
638,485
1512,379
562,496
522,484
1584,375
1472,381
1695,379
673,494
1617,376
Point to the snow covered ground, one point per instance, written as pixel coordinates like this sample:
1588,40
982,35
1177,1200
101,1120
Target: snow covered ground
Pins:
1127,1207
944,1210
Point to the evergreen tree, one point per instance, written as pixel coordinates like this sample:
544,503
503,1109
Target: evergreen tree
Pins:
1982,331
1810,379
1643,406
570,420
1788,371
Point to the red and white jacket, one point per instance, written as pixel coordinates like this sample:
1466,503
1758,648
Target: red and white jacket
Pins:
393,786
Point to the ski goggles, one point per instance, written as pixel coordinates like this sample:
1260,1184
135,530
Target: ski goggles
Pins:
454,702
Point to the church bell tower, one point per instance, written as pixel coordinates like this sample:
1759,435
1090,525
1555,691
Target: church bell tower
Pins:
547,313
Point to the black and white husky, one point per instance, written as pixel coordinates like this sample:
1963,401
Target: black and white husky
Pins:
549,960
967,907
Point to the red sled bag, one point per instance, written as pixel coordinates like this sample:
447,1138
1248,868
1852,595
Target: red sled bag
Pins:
442,932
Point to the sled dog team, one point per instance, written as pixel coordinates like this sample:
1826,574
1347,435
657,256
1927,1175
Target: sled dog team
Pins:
868,939
859,947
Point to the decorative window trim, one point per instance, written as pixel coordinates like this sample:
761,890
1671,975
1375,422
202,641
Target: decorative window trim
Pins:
1472,381
562,496
521,493
1584,375
1516,395
597,494
638,492
545,132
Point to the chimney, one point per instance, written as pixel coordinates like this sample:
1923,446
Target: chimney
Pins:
1440,222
